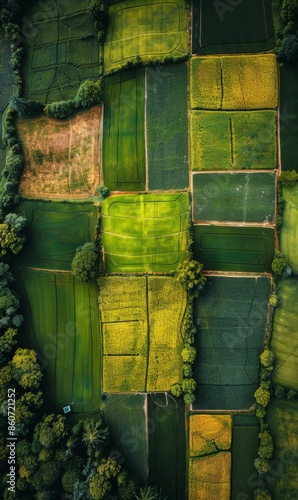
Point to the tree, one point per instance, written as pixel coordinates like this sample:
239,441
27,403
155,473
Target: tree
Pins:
190,274
25,368
267,359
84,265
90,93
7,342
95,435
51,430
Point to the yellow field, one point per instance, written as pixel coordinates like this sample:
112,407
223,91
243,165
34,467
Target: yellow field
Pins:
238,82
209,477
209,433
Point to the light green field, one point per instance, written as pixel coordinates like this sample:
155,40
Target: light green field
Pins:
62,325
289,231
141,332
54,231
285,336
149,31
144,233
234,82
233,140
123,132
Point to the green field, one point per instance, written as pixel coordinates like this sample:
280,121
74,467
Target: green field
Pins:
61,52
232,315
288,115
245,442
141,322
6,88
227,27
232,197
289,231
123,132
62,325
230,82
285,336
282,417
144,233
167,146
233,140
245,249
54,231
147,32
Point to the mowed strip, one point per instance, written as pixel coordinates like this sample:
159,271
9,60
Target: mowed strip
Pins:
242,82
144,233
222,140
148,32
66,340
289,229
284,341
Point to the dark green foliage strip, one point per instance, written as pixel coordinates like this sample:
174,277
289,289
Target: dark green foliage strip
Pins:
232,315
224,248
232,197
167,127
223,28
7,81
123,132
244,451
289,115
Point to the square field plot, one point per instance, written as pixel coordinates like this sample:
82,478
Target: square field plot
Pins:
234,82
54,231
232,316
222,140
289,230
123,132
149,31
222,28
62,157
289,115
240,249
232,197
144,233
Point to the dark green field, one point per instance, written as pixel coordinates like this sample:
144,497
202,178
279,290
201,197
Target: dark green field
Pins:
167,145
224,248
231,316
62,50
227,27
6,88
123,132
54,231
289,115
232,197
62,325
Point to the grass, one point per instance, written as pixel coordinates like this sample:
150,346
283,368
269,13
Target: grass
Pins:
232,315
62,157
141,332
233,140
58,58
242,82
283,421
285,336
167,145
54,231
289,230
240,249
288,115
144,233
220,27
65,338
232,197
148,32
123,132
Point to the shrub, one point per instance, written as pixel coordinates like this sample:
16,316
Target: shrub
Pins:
267,359
188,354
60,110
190,274
279,391
279,263
176,390
289,10
68,479
189,398
188,385
262,465
84,265
262,396
89,93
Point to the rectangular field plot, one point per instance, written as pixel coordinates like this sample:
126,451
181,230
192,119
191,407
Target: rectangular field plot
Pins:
62,157
288,115
232,197
223,248
233,140
282,417
149,31
141,333
232,315
234,82
226,27
144,233
167,127
123,137
289,230
54,231
284,341
62,326
62,51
